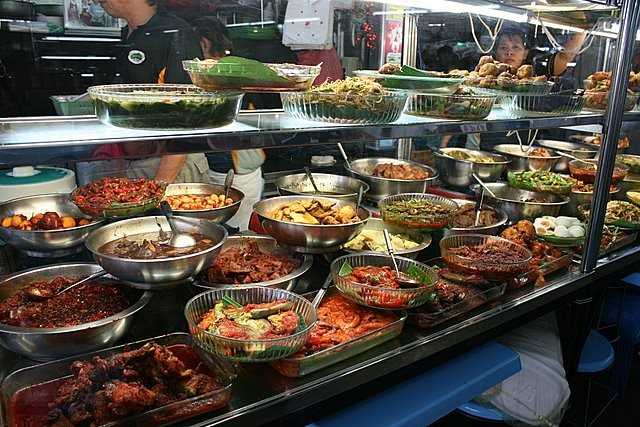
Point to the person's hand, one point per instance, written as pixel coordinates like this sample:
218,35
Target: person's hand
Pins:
170,167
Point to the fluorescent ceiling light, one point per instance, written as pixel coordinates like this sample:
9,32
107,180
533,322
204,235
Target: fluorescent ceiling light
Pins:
245,24
80,39
492,10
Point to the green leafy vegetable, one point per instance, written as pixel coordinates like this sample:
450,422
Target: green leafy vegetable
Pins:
345,269
417,274
228,301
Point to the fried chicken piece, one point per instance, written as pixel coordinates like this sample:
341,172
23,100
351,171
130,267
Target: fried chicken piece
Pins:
489,69
486,59
129,398
195,384
504,68
525,71
526,227
389,68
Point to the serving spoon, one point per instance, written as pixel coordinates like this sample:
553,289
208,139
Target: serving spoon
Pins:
39,294
572,157
403,280
310,178
321,293
483,185
178,239
228,182
344,155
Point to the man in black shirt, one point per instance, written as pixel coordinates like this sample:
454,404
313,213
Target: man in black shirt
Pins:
155,44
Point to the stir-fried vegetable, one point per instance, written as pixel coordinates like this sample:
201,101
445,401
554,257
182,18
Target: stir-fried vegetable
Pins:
544,181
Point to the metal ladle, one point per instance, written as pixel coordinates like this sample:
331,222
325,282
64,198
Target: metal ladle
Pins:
344,155
178,239
39,294
481,182
310,178
403,280
228,182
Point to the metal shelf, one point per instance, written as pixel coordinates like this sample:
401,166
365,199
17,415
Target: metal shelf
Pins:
77,138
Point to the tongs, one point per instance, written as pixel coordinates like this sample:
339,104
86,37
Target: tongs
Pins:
404,281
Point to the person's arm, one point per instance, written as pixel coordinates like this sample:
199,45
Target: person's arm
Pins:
568,54
170,167
444,143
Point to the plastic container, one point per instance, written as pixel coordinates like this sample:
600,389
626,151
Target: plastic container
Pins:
164,107
536,105
71,105
542,88
378,297
490,269
460,107
301,365
250,75
345,108
434,221
258,350
598,100
38,385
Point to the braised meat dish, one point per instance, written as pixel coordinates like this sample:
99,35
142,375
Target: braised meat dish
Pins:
406,172
248,264
524,233
340,320
86,303
104,390
153,246
315,212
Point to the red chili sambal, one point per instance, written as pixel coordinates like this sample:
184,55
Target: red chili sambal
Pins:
83,304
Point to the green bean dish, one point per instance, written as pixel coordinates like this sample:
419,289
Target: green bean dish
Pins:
542,181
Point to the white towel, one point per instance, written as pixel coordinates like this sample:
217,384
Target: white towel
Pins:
308,25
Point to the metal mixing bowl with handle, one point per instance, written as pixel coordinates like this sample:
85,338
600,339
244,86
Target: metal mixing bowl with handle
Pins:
219,215
334,186
458,173
156,273
55,343
383,187
308,238
46,243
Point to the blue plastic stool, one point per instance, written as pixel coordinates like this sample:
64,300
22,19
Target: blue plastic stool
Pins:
597,355
622,309
423,399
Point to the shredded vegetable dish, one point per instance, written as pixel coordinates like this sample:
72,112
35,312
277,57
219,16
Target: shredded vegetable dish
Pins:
111,191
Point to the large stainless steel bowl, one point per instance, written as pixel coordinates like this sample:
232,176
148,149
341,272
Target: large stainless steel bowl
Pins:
579,198
581,151
424,239
55,343
334,186
492,229
220,215
307,238
513,201
155,273
458,172
50,243
268,245
631,182
520,161
383,187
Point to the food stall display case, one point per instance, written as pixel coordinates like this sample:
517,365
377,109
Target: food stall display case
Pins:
259,394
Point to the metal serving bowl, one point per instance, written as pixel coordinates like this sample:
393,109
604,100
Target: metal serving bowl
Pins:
308,238
578,198
49,243
457,173
334,186
424,239
492,229
383,187
55,343
581,151
269,245
511,201
520,161
220,215
155,273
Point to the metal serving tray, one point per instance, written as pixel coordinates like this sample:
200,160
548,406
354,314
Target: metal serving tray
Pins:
46,378
298,366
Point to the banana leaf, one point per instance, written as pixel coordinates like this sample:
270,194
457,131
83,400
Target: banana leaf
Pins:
243,72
